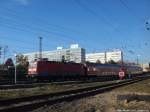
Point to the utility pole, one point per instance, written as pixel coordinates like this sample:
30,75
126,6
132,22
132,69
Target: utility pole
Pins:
122,58
0,52
137,60
105,57
40,48
4,53
15,79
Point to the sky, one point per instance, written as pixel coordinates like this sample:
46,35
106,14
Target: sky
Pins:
96,25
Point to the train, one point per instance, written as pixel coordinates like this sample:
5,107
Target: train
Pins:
51,70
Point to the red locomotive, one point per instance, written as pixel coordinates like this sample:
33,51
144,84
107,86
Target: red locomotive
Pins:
49,70
56,70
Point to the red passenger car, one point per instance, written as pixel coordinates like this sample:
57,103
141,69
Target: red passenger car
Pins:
103,69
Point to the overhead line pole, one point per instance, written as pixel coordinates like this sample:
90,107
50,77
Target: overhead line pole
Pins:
0,53
15,80
40,48
4,53
105,57
122,58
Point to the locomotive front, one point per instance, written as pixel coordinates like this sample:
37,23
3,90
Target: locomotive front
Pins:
32,69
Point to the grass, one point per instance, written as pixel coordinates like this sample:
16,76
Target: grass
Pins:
139,105
7,94
50,88
139,88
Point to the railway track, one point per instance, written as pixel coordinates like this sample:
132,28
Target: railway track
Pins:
31,85
30,103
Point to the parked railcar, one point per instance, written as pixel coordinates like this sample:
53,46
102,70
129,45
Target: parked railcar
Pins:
113,70
133,71
103,70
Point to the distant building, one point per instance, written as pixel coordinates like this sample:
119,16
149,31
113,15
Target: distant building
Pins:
104,56
73,54
146,67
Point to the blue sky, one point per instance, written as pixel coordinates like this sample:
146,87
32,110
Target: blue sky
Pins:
96,25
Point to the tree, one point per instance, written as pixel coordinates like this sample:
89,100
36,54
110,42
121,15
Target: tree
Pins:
9,62
87,62
22,65
112,62
120,62
22,60
63,59
98,61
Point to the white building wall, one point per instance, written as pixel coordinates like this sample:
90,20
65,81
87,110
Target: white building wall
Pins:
73,54
146,67
93,57
106,56
115,56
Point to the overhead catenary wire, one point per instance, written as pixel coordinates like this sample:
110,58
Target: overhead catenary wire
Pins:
26,29
101,18
46,32
33,29
14,13
28,17
131,11
43,20
94,13
43,31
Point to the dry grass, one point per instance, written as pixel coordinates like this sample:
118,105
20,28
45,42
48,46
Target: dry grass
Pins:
51,88
106,102
139,87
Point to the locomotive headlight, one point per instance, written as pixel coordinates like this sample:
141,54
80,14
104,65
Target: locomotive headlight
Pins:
94,69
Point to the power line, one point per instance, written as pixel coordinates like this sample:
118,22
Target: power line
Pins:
37,29
69,38
18,28
132,12
91,11
28,28
88,9
14,13
34,30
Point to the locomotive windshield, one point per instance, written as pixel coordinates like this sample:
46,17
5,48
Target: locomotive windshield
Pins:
33,65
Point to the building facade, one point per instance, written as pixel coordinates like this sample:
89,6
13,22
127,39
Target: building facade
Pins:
104,57
73,54
146,67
